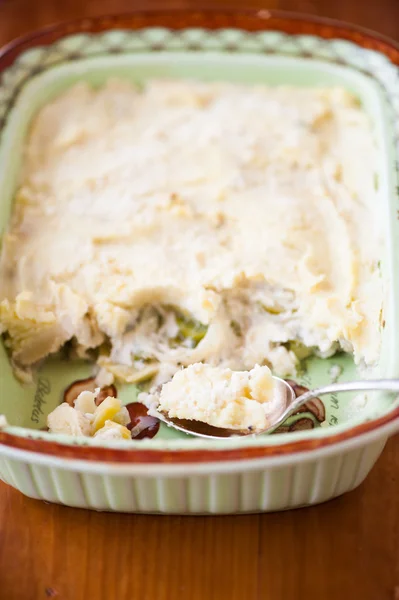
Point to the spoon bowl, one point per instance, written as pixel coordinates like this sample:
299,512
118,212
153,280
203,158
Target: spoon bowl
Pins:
204,430
293,403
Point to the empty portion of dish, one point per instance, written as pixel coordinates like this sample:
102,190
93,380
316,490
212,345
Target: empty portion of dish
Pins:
194,222
242,400
246,401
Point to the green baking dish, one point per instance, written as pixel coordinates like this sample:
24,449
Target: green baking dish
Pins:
172,472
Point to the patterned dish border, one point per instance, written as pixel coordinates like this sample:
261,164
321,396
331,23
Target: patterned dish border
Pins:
231,31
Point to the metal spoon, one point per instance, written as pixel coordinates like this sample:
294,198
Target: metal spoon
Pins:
204,430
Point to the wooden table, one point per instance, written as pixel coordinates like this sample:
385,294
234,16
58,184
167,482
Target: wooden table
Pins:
347,548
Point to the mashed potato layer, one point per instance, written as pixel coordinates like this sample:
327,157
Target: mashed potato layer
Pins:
194,222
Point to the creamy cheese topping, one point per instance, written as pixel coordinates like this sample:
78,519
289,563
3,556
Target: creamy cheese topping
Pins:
242,400
194,222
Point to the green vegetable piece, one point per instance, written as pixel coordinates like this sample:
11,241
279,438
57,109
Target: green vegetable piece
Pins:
300,350
236,328
272,310
189,328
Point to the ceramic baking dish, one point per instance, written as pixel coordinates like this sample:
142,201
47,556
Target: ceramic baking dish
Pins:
173,473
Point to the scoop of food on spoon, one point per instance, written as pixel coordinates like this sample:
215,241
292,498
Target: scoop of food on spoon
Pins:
289,406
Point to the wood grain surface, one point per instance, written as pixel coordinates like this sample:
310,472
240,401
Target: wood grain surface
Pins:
347,548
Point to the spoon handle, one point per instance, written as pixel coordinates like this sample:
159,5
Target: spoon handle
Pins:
388,385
